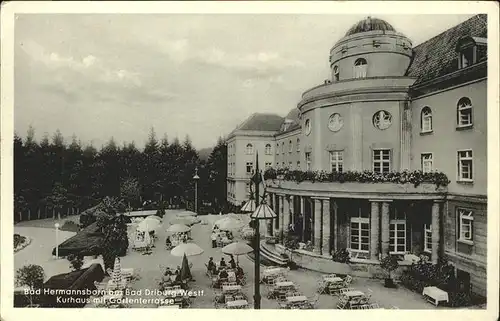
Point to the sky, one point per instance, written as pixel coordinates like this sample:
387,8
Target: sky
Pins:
99,76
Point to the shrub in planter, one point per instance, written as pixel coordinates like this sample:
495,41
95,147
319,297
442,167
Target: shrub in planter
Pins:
341,256
389,264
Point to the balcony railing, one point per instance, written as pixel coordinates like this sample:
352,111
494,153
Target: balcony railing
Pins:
416,178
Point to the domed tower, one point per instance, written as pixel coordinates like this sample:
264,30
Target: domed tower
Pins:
370,48
362,115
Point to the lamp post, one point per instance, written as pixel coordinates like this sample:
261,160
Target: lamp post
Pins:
57,240
262,212
196,178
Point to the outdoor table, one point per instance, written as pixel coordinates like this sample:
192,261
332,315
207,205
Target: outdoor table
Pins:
352,294
284,284
435,295
272,271
231,288
237,304
335,279
293,299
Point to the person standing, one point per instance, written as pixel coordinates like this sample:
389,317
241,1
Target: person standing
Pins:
213,237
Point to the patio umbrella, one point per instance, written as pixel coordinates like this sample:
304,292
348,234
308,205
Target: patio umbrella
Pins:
186,214
178,228
249,206
229,224
153,217
188,249
148,225
185,270
237,248
182,221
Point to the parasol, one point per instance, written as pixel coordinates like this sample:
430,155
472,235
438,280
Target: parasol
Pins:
178,228
237,248
186,214
249,206
188,249
148,225
182,221
229,223
153,217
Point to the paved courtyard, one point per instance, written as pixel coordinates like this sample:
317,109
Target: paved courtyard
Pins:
147,267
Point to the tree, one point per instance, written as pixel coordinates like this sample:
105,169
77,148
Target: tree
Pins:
217,175
389,264
130,190
76,261
58,198
32,276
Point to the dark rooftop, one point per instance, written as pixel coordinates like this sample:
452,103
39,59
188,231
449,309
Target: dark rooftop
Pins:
437,56
370,24
262,122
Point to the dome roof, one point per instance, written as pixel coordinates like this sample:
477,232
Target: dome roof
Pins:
370,24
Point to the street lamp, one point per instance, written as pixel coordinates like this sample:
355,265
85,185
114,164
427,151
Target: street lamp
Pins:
196,178
262,212
57,240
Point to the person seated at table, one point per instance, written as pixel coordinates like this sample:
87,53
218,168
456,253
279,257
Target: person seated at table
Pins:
168,272
229,235
222,263
211,264
223,274
239,272
215,229
168,242
213,237
184,238
232,263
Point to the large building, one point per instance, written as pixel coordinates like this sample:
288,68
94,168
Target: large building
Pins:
388,111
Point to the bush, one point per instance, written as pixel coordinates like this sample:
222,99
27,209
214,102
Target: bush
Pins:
76,261
32,276
18,240
70,226
341,256
389,264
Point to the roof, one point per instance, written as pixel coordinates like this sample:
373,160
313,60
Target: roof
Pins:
438,56
262,122
370,24
85,242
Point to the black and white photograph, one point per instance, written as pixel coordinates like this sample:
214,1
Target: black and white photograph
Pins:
274,161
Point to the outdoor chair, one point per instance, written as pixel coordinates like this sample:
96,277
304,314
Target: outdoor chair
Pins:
312,302
374,306
282,297
282,305
322,288
348,280
228,298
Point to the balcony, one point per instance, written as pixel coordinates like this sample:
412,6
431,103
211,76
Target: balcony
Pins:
397,185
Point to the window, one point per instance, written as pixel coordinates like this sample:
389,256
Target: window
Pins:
308,161
382,161
467,57
360,66
426,120
247,189
268,149
397,232
466,223
283,147
249,167
290,165
360,234
464,112
428,238
277,149
465,165
249,149
426,159
268,165
298,165
290,146
298,145
336,73
336,161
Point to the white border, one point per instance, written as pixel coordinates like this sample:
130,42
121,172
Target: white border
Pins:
198,7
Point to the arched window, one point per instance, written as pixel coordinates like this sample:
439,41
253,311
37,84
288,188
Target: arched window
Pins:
277,148
360,67
426,120
464,112
298,145
336,73
290,146
268,149
249,149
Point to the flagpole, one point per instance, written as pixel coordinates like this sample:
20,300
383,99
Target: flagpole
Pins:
257,237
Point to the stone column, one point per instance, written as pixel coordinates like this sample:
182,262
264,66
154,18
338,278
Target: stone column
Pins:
436,223
303,210
292,209
326,227
374,230
276,210
405,135
317,225
335,226
282,208
385,228
286,213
